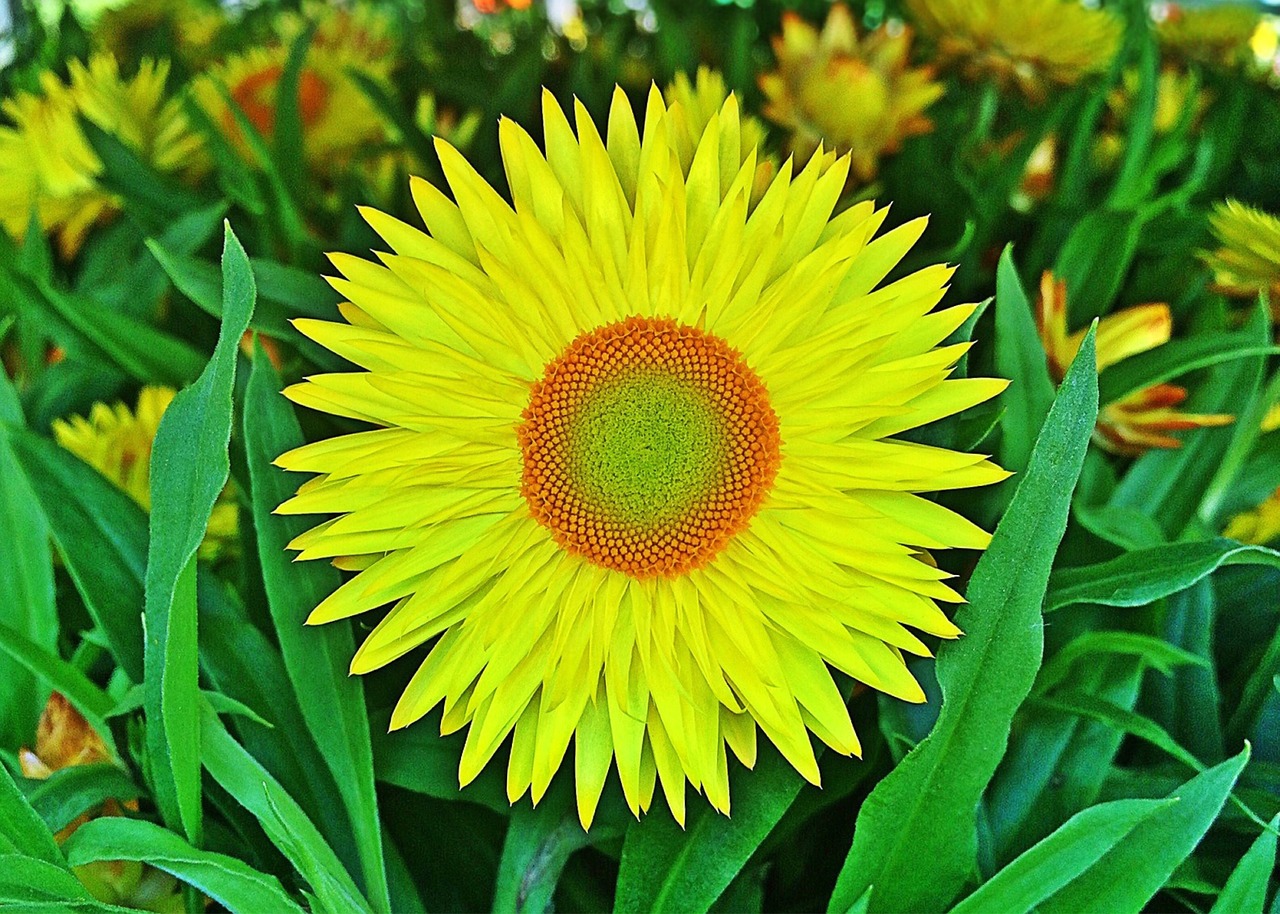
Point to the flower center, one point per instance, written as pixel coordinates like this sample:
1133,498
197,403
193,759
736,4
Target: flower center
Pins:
647,445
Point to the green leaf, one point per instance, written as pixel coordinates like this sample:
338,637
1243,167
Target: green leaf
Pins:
1246,888
96,527
136,347
1141,577
667,868
228,881
26,578
1095,259
22,831
1130,874
1176,358
421,760
316,658
1127,721
77,789
1153,652
538,845
136,697
28,880
284,821
146,193
924,809
189,468
1019,357
287,135
62,676
1051,864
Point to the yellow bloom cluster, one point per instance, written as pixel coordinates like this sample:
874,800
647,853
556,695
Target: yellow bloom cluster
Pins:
1247,260
116,441
851,93
1031,44
1211,34
49,169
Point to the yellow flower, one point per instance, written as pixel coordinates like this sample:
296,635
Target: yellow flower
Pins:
1217,34
185,29
1140,420
117,443
634,471
1271,421
46,163
1247,261
1031,44
338,119
851,94
696,104
1258,526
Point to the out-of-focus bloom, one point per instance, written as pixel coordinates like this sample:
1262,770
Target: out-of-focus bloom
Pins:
116,441
1265,45
47,165
695,104
1247,260
64,739
1031,44
621,480
1218,34
1260,525
849,93
339,121
185,29
1140,420
1271,421
1178,96
489,7
1039,176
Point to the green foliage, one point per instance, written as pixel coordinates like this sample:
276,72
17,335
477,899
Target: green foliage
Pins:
1104,737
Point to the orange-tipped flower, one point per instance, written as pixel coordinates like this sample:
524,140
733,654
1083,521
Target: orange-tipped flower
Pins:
845,92
1247,260
1140,420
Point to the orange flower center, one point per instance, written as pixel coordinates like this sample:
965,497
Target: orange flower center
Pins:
647,445
256,96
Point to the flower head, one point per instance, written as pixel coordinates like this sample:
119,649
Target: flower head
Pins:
1218,34
1144,418
633,471
1247,260
186,29
1259,526
696,103
849,93
116,442
47,165
338,119
1030,44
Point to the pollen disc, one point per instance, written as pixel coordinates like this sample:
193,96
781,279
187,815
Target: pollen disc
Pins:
647,445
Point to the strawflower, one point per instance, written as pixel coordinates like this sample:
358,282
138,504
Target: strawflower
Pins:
185,29
47,166
1219,34
116,441
633,471
339,122
693,104
1144,418
1247,260
855,94
1031,44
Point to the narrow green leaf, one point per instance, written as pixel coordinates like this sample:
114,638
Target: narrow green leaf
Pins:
667,868
1153,652
1019,357
77,789
1246,888
228,881
1048,866
26,579
284,821
288,135
1177,358
1131,873
22,830
1123,719
62,676
97,528
538,845
146,192
1141,577
136,697
1095,259
28,880
421,760
924,809
189,468
316,658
